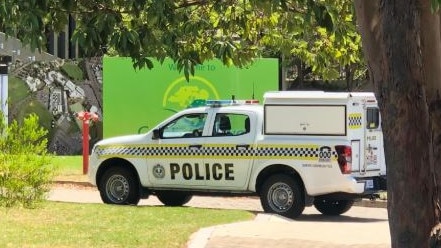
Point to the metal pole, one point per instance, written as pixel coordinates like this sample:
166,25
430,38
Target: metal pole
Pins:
4,92
86,118
86,143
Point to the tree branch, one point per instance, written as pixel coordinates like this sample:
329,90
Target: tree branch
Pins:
189,3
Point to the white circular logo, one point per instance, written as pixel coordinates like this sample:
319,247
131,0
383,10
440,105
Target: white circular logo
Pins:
159,171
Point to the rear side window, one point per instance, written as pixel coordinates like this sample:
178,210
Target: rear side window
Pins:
372,118
228,124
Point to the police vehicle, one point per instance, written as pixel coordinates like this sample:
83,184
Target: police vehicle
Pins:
297,149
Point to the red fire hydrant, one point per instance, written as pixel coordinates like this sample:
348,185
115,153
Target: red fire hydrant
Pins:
86,117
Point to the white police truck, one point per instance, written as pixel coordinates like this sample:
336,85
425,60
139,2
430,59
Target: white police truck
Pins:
300,148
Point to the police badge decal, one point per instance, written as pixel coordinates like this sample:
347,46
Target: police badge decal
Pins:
159,171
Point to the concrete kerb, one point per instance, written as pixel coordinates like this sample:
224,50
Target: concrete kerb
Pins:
360,228
200,238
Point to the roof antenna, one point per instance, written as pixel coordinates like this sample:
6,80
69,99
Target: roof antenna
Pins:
253,92
233,98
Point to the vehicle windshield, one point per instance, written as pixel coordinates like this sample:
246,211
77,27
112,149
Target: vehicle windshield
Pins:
185,126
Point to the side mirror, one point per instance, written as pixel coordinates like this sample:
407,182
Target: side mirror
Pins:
156,134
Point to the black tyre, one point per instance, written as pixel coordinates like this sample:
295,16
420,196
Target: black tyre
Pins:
333,207
120,186
173,198
282,195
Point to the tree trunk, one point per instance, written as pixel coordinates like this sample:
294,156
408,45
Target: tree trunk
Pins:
349,77
299,81
431,61
402,46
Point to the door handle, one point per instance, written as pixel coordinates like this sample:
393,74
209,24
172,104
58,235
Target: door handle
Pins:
242,146
195,146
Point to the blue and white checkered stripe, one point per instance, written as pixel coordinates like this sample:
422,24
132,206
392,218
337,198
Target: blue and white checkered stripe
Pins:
211,151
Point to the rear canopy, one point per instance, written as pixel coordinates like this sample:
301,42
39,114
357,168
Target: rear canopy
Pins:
306,112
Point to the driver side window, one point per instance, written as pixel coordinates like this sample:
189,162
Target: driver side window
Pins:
186,126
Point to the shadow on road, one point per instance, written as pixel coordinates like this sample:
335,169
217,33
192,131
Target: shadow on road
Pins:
341,218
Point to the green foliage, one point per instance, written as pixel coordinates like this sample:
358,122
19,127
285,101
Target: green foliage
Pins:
435,5
33,106
321,33
18,90
25,171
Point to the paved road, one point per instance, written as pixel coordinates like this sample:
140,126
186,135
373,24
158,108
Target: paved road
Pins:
361,227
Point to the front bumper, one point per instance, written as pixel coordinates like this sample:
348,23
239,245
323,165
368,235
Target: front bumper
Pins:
91,173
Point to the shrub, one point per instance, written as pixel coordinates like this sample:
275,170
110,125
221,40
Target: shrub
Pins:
25,166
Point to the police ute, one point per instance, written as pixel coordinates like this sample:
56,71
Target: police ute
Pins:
297,149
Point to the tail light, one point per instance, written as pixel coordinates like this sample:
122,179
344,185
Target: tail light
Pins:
344,158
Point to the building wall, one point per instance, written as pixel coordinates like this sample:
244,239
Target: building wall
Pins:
13,47
60,44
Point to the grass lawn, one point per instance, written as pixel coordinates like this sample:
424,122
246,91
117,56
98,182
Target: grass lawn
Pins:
56,224
69,168
68,165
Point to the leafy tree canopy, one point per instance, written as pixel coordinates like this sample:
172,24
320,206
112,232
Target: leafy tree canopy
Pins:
320,33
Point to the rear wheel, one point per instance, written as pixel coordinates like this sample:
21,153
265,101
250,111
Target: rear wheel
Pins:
173,198
333,207
119,186
281,194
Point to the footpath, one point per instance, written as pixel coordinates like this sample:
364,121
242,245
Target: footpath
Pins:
363,226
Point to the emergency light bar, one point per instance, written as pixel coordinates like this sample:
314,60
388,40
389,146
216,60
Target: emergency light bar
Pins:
220,103
252,101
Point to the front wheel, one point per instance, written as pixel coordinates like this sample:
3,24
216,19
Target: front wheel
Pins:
333,207
282,195
119,186
173,198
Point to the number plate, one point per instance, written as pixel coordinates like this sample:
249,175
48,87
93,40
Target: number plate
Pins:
369,184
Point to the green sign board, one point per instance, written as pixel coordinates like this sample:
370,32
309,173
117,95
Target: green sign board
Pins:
134,101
